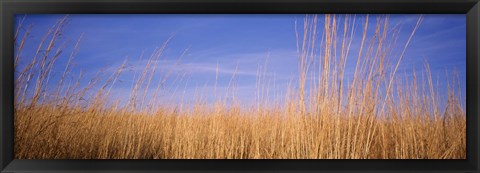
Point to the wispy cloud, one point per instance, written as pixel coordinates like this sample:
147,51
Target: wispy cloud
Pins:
245,64
196,68
444,32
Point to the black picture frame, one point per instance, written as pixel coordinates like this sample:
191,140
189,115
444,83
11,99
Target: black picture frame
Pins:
9,8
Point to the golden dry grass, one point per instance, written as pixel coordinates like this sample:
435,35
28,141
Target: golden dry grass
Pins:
377,115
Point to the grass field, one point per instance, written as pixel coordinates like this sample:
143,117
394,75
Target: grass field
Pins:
379,114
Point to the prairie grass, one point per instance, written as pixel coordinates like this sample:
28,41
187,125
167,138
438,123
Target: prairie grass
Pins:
378,114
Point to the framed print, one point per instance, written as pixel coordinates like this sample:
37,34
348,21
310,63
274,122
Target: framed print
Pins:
239,86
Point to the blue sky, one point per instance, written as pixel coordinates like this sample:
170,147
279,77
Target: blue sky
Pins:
241,42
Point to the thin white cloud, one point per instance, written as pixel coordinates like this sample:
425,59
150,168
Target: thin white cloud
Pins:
245,64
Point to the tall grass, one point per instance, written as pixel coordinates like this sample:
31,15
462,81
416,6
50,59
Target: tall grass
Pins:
378,114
